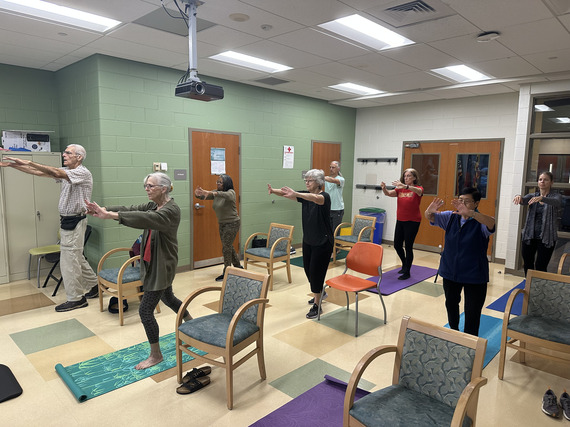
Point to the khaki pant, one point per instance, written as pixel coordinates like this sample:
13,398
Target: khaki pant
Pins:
78,276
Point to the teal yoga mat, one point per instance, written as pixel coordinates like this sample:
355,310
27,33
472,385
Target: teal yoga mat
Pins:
111,371
489,328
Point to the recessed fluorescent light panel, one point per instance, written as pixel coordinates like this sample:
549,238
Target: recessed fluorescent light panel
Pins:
461,74
356,89
560,119
542,107
242,60
367,32
64,15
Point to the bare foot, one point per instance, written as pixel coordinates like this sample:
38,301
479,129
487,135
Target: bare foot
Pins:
151,361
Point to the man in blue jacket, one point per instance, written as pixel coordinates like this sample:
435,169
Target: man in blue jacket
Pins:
464,265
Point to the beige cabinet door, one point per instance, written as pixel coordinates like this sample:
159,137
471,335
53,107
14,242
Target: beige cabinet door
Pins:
30,210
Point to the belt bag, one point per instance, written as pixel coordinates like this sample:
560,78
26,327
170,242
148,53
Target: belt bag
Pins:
70,222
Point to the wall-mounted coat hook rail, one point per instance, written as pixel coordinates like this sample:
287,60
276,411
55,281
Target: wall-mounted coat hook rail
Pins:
369,187
378,159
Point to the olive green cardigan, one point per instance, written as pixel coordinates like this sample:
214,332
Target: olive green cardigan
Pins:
159,273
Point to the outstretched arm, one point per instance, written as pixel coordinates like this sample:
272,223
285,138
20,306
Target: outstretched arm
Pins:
33,168
100,212
432,209
390,193
463,210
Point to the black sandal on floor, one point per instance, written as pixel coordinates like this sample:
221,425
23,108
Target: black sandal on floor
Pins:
197,373
193,385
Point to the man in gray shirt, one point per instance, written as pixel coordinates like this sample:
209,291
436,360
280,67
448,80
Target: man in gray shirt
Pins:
76,186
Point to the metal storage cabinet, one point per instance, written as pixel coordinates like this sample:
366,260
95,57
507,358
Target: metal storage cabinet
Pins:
28,214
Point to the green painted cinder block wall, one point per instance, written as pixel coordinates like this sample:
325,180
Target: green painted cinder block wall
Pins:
126,115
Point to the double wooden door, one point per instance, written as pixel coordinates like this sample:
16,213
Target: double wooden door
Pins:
205,146
444,168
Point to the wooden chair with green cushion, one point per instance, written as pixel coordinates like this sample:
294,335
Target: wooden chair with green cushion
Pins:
362,228
236,327
435,382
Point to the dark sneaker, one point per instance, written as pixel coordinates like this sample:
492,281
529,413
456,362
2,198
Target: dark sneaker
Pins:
549,405
565,403
72,305
404,276
314,312
324,297
220,278
93,293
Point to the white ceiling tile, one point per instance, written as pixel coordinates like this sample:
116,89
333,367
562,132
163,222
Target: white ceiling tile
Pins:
535,37
468,50
551,61
320,43
506,67
379,64
421,56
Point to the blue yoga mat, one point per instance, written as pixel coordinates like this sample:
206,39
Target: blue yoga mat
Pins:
489,328
111,371
501,303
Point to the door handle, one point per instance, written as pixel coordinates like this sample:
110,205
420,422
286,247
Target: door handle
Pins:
199,206
38,215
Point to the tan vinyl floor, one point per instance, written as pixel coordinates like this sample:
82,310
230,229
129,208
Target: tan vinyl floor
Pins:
294,348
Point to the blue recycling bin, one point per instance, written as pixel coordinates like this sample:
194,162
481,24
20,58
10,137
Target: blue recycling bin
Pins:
380,215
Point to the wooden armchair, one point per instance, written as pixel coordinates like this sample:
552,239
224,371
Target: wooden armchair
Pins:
278,249
237,325
544,321
436,380
362,229
122,282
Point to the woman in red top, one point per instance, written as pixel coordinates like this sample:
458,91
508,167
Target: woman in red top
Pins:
409,194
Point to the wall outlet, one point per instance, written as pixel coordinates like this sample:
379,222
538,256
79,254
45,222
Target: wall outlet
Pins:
156,166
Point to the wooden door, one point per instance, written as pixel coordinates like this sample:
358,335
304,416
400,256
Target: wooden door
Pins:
323,154
444,169
206,244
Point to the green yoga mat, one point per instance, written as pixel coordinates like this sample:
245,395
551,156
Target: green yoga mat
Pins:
106,373
298,261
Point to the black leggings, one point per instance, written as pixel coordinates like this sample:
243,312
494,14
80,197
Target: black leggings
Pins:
406,232
316,263
474,300
148,304
536,250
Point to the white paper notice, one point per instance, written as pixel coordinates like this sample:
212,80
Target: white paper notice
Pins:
217,161
288,156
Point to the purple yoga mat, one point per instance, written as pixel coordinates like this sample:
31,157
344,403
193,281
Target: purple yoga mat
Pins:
319,406
391,284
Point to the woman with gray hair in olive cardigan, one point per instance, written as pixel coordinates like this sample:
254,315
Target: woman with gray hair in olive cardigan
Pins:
159,252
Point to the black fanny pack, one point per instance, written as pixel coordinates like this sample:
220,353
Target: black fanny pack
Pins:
70,222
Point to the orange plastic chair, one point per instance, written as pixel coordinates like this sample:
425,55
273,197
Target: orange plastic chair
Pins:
365,258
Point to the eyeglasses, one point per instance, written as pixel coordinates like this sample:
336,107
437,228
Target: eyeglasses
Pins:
151,186
465,201
219,182
69,153
308,180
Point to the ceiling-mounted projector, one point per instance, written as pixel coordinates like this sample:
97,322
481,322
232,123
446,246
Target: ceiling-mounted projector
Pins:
199,90
190,85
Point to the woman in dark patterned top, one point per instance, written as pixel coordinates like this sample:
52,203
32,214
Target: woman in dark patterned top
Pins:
159,252
317,231
541,227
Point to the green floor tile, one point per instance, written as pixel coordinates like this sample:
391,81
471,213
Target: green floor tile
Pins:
343,320
307,376
49,336
427,288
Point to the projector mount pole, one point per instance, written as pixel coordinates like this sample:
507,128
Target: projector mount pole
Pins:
191,6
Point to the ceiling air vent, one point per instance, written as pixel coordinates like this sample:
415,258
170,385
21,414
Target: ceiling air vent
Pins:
271,81
400,14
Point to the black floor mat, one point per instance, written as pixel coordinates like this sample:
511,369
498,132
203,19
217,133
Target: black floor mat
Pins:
9,386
